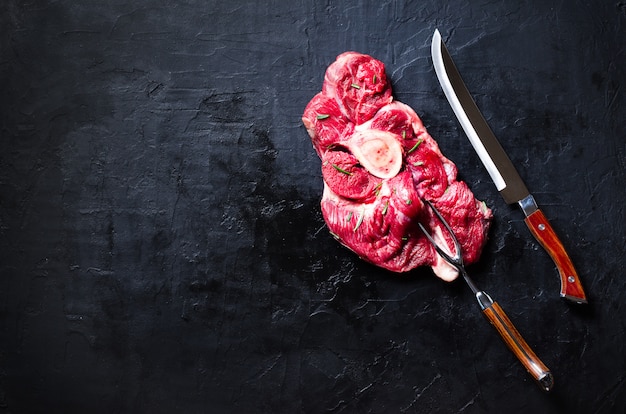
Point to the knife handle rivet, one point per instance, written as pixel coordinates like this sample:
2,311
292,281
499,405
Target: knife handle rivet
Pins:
542,227
571,279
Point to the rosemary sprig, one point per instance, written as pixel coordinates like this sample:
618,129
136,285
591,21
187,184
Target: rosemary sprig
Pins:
355,86
377,188
341,170
386,207
415,146
323,116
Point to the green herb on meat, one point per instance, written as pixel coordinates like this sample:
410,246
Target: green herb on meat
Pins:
355,86
341,170
415,146
377,188
386,207
349,216
323,116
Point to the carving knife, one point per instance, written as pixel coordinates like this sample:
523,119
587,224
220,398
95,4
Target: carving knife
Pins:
501,169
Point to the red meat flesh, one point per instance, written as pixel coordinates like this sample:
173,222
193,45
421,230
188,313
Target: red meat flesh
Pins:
346,178
378,164
358,84
325,123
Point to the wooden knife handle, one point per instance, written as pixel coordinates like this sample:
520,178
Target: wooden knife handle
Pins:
540,227
518,345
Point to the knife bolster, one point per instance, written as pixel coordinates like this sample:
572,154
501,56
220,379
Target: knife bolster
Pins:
528,205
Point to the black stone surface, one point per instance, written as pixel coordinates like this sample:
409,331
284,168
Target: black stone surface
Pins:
161,245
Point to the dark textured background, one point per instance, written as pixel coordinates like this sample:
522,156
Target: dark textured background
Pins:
161,245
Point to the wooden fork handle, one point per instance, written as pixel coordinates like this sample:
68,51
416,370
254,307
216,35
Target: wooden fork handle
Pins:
518,345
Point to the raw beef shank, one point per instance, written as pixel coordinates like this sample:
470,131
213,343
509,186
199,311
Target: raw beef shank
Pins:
378,164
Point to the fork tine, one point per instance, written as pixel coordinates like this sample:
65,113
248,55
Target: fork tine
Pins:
457,259
439,250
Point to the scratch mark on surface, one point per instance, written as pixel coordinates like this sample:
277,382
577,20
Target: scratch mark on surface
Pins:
469,403
419,394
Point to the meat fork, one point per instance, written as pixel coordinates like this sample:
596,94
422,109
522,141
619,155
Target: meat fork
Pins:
493,312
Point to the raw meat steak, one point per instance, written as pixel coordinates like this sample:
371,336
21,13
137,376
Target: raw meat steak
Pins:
378,164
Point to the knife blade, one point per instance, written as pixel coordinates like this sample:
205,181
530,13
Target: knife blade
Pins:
501,169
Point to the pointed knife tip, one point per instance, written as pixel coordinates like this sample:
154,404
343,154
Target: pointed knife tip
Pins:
436,36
